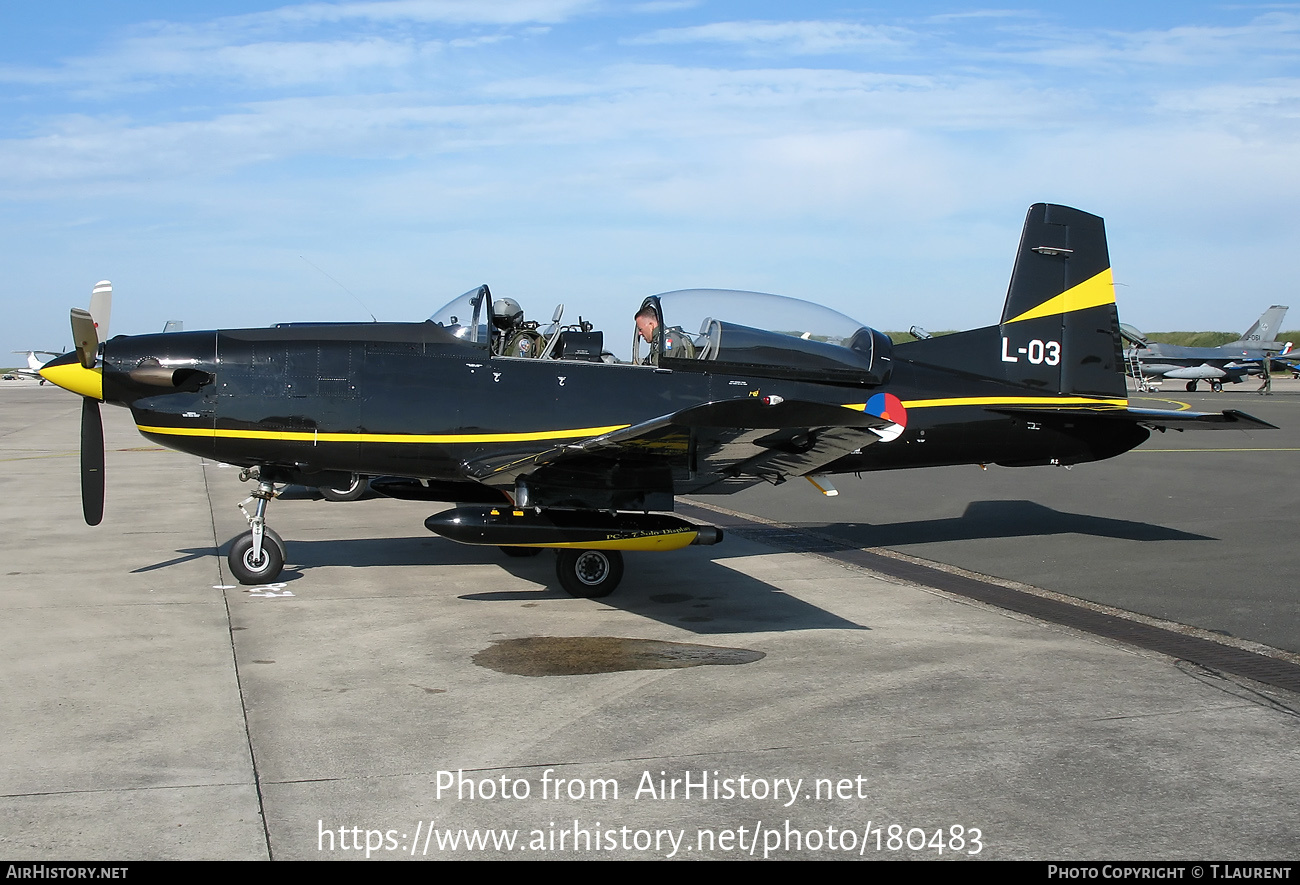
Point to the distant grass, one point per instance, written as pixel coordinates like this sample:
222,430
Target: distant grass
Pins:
1209,339
901,337
1193,339
1183,339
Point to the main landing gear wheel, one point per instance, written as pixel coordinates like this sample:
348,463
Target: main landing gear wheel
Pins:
248,569
1191,386
345,493
589,574
520,552
1216,386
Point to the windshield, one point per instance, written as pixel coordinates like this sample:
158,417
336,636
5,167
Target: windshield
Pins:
466,316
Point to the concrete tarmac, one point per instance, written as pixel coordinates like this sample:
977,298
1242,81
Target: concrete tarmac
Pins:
1195,527
153,710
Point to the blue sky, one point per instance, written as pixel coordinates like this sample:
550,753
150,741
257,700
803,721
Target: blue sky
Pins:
208,158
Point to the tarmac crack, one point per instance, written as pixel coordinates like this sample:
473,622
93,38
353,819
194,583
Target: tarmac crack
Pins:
234,660
1229,686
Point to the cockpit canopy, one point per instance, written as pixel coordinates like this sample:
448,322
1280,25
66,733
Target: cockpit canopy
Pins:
747,332
770,331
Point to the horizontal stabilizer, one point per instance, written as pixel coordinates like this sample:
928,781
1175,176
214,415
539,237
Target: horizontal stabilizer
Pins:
1160,419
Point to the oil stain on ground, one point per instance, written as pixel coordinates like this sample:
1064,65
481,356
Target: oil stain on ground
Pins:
578,655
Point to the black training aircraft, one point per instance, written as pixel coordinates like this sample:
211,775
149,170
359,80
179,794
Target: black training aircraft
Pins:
568,450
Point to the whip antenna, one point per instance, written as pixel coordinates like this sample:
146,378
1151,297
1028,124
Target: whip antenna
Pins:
343,287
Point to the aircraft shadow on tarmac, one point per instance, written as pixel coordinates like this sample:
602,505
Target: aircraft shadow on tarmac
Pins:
686,589
1003,519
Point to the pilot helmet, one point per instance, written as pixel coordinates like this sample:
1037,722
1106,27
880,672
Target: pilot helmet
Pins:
506,313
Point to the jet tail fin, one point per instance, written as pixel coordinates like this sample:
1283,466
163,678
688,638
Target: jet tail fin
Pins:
1265,329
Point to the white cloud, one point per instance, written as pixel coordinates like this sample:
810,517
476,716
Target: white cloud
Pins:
491,12
295,45
802,37
1270,38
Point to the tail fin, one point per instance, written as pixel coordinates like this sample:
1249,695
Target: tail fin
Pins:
1059,332
1060,327
1265,329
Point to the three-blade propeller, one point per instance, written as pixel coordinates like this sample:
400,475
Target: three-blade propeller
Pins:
89,329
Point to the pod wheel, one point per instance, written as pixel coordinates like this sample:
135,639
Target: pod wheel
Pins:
589,574
247,569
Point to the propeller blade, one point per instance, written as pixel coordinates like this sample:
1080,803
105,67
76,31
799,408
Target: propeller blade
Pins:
101,307
84,337
92,462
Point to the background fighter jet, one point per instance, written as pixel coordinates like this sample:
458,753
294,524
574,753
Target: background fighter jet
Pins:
566,451
1230,362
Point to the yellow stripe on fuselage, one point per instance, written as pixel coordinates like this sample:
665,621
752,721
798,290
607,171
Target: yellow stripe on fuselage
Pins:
1092,292
314,437
1063,402
1057,402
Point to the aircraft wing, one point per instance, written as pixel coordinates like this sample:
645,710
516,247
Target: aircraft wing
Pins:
1157,419
733,443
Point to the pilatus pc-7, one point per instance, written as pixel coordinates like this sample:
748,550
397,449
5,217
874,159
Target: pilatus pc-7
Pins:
567,448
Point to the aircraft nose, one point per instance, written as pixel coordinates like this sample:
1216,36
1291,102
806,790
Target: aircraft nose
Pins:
67,372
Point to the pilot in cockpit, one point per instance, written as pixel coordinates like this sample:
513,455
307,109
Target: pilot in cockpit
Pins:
675,342
511,335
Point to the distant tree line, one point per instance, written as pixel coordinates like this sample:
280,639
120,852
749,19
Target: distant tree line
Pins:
1183,339
1209,339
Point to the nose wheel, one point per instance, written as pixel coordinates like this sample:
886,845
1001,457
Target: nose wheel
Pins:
589,574
250,567
257,557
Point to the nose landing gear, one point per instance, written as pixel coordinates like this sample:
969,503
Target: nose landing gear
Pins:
257,557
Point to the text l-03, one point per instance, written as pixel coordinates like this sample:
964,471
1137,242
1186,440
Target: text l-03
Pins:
1036,351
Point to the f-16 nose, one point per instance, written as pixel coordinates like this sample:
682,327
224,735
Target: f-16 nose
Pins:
67,372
